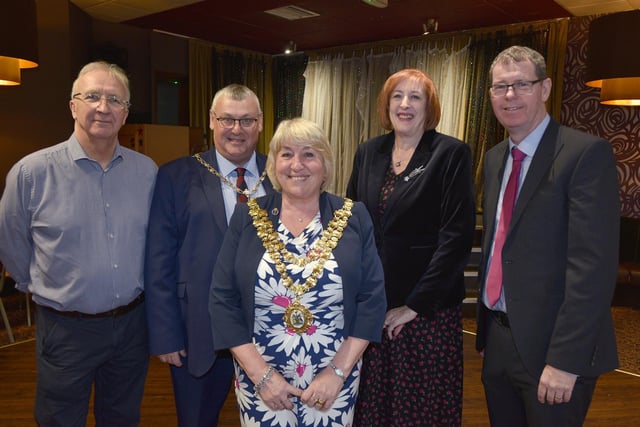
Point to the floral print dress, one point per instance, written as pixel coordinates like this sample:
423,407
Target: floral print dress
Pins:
298,356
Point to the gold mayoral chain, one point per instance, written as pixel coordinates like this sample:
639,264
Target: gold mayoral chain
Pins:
297,316
213,170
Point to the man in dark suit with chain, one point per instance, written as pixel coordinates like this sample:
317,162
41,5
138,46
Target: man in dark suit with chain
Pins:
193,201
548,274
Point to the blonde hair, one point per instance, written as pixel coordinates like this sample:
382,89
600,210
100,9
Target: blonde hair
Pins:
302,133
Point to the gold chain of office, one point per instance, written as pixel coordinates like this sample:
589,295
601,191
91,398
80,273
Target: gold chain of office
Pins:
297,316
213,170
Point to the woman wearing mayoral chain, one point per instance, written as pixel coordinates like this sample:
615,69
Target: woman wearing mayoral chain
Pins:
297,292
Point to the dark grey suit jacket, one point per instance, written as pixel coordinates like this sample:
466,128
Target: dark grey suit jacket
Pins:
560,256
187,225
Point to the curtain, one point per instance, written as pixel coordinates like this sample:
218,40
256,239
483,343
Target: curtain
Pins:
288,85
330,96
200,90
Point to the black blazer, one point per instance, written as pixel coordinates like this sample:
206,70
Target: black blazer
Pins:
424,237
560,256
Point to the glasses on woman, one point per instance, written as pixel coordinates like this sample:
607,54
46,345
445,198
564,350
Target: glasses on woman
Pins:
95,98
521,87
230,122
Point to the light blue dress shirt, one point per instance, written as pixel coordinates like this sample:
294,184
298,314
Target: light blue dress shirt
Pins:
528,146
251,178
72,233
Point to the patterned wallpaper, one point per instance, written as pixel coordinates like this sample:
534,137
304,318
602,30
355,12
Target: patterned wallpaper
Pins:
619,125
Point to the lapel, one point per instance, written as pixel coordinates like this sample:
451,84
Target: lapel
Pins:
540,164
211,186
493,184
261,161
379,165
411,177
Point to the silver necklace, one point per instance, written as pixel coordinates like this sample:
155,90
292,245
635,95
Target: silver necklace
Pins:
213,170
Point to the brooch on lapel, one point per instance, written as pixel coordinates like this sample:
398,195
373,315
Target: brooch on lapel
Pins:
414,173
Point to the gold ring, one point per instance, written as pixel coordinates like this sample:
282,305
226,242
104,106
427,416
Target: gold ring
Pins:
319,402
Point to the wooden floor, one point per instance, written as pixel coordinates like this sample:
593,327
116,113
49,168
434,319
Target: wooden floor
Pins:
616,401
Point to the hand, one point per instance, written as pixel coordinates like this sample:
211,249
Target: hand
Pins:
276,391
323,390
396,318
555,386
174,358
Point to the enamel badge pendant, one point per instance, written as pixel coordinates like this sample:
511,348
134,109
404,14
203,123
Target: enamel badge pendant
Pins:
297,317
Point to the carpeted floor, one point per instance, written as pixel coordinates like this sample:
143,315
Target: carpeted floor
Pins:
625,312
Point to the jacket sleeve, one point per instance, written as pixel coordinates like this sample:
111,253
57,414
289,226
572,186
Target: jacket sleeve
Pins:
227,304
166,331
592,261
371,303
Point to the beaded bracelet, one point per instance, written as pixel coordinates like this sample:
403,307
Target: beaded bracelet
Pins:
265,378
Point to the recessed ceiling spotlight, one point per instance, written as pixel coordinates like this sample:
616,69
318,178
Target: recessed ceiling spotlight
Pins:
376,3
290,48
430,27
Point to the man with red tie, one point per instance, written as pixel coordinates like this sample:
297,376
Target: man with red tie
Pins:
193,200
550,256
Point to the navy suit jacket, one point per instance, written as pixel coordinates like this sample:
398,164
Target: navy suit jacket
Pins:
560,256
234,280
187,225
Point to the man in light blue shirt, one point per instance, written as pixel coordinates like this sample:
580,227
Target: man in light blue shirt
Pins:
73,220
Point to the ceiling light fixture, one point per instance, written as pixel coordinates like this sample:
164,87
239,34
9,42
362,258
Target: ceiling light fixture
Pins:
18,40
611,66
430,27
377,3
290,48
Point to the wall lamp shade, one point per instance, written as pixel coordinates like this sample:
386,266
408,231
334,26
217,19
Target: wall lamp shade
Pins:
9,71
613,65
18,39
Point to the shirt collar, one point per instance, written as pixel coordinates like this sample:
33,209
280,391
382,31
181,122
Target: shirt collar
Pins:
226,167
78,153
530,143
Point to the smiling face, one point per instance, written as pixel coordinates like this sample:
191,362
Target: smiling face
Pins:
98,122
407,108
237,143
300,171
519,114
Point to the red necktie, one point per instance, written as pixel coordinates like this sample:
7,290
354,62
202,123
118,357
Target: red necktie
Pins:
494,277
241,184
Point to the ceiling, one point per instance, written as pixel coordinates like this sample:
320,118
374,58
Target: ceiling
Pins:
245,24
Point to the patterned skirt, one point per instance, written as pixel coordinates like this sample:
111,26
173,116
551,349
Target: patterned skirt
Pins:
416,378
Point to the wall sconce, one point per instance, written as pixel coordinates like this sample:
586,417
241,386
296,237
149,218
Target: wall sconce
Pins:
18,39
612,64
290,48
430,27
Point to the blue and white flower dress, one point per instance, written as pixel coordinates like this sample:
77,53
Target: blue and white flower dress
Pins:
298,356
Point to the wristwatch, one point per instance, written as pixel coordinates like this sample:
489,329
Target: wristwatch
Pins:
338,371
